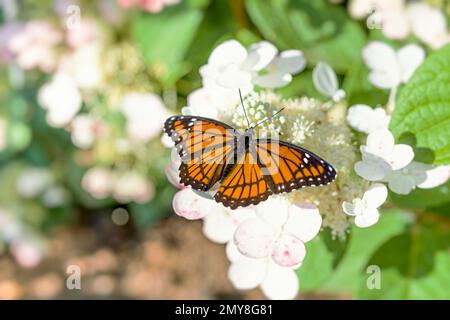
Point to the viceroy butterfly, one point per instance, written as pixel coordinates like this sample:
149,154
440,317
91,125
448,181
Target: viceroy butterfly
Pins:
239,169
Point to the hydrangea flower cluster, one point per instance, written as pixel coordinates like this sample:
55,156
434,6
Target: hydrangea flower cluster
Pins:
266,243
113,139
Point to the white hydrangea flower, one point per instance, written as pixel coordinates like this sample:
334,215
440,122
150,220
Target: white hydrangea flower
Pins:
85,129
61,98
276,282
132,186
97,181
366,119
33,181
429,24
232,66
417,174
381,155
281,236
365,210
390,68
435,176
145,115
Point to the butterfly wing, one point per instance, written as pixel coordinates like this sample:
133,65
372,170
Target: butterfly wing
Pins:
204,146
243,184
290,167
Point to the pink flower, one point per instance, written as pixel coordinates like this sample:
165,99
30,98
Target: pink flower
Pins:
7,32
34,45
26,253
97,182
147,5
87,33
85,129
131,186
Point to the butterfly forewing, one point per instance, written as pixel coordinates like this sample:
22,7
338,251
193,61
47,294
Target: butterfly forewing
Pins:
290,167
205,147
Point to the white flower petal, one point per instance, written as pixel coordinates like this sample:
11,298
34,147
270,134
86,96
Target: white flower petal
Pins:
190,206
288,251
218,226
365,119
325,79
290,61
369,218
274,210
382,60
229,52
247,273
233,253
233,77
273,79
380,142
254,238
280,283
371,170
304,221
435,177
376,195
401,184
401,156
260,55
409,58
348,208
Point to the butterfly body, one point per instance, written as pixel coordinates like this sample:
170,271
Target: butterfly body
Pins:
240,169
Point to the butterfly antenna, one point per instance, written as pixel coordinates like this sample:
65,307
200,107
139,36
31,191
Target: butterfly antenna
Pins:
245,112
269,118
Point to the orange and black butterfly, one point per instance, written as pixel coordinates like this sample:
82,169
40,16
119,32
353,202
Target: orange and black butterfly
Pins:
239,169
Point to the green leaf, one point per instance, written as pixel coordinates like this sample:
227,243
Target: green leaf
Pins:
317,266
412,252
423,106
317,28
164,38
362,244
414,265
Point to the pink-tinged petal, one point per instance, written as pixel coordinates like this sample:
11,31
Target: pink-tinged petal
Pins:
247,273
304,221
380,142
188,205
218,225
435,177
280,283
376,195
172,175
396,24
289,251
254,238
369,217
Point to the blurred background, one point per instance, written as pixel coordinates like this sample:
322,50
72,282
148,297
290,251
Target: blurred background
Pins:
83,159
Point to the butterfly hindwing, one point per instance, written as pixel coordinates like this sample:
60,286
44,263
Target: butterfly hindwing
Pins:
290,167
244,184
204,146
